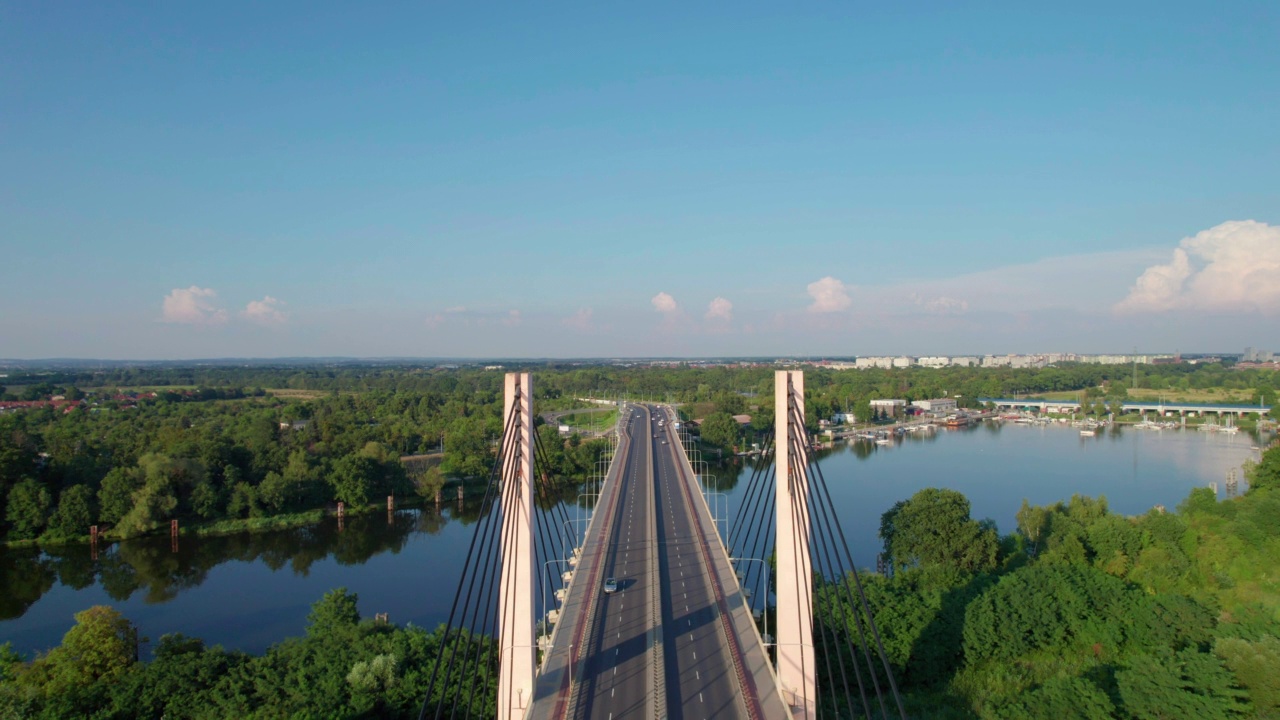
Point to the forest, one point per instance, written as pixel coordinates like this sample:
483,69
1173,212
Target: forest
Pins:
129,449
1076,612
1083,613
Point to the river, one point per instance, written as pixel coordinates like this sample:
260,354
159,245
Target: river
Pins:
251,590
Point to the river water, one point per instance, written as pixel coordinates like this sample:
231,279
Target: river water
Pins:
249,591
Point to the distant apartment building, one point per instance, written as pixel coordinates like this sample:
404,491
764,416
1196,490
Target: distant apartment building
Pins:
964,361
1254,355
934,361
902,361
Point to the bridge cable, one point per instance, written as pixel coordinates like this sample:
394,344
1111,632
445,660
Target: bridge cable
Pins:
818,543
801,536
479,537
798,448
484,621
831,522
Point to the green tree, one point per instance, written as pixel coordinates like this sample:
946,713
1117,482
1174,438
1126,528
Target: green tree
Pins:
934,528
720,430
1061,698
1256,666
28,509
102,645
1188,684
336,612
74,514
115,497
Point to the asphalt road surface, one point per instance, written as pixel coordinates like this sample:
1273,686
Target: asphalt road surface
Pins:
617,683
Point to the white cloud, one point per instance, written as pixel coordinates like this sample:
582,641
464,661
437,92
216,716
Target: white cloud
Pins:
829,295
664,303
580,321
265,311
513,318
941,305
1234,266
192,306
720,310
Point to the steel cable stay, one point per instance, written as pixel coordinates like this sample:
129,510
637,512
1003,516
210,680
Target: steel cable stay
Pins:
801,521
480,538
833,540
483,620
819,550
816,539
832,523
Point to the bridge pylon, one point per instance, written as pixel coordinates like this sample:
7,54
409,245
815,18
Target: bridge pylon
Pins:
797,664
518,659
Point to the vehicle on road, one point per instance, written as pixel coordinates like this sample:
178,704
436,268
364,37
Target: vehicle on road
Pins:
610,586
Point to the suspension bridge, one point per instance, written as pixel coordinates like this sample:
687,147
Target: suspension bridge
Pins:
653,607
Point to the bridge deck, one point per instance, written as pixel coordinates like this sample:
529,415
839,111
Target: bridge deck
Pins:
677,639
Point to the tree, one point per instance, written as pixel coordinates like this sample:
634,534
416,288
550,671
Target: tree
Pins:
721,430
74,514
1257,666
354,479
934,528
1188,684
335,612
116,494
28,509
101,645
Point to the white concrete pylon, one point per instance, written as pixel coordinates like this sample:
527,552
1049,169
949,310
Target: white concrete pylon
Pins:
796,661
518,664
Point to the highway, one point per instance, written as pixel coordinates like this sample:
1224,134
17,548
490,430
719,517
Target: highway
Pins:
670,642
618,679
700,678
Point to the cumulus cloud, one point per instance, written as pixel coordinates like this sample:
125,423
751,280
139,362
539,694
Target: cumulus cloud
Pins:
829,295
720,310
265,311
513,318
192,306
664,303
580,320
1233,267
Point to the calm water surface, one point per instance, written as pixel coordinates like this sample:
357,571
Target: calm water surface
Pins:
249,591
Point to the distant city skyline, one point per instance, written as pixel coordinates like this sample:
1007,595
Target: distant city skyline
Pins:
320,179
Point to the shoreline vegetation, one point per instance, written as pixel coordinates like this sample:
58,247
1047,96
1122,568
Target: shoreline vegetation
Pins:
215,450
1076,613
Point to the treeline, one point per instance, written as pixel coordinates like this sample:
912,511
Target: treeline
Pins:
131,464
344,667
1083,613
131,448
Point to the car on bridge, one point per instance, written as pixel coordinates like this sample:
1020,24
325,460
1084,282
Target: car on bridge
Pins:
610,586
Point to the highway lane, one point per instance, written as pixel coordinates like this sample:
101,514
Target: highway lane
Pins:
618,679
700,677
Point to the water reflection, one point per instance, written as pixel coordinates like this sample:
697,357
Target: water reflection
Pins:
150,567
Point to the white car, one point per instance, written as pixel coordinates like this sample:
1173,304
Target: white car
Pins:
610,586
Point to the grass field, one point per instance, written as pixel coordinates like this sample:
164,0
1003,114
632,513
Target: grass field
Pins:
1210,395
588,421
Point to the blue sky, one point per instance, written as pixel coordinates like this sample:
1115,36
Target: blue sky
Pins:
276,179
